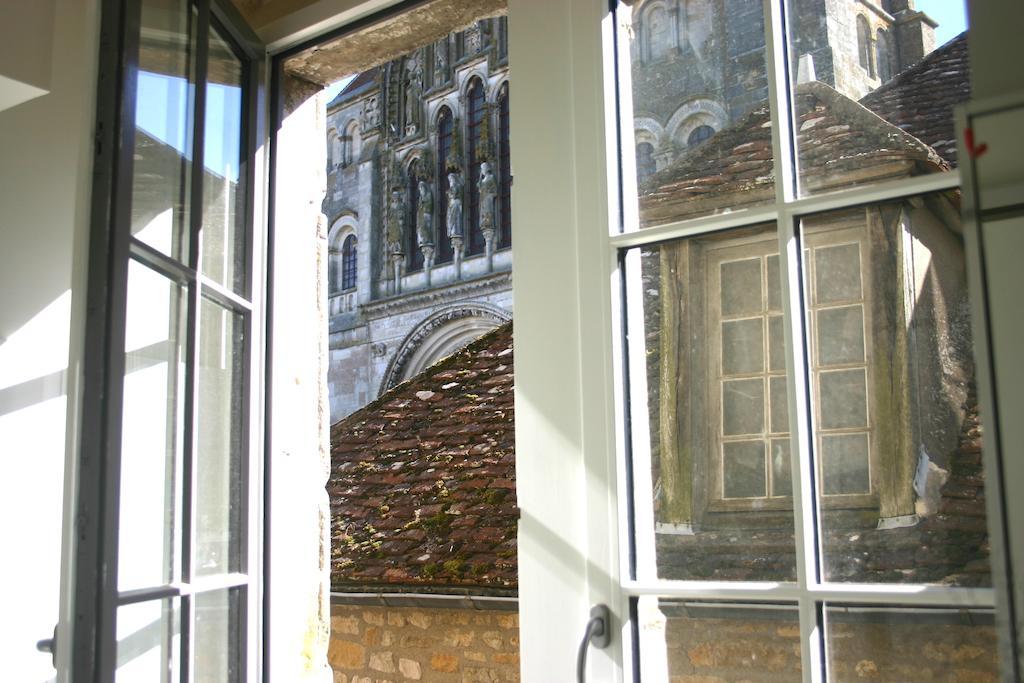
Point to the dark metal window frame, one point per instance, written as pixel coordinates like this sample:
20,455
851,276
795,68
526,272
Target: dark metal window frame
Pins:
95,594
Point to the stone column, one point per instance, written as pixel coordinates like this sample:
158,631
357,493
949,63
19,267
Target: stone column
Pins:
457,249
428,261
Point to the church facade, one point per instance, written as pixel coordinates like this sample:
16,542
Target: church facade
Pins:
418,183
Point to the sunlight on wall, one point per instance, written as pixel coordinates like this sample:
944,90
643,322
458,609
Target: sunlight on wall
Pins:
33,404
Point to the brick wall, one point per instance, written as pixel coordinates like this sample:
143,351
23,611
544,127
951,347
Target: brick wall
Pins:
395,644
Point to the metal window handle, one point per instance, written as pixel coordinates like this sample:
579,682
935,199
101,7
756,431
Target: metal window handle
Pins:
49,645
598,634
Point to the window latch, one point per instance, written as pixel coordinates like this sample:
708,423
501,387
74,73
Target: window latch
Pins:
598,634
49,645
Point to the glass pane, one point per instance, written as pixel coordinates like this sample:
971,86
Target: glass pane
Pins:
742,346
151,435
837,273
219,650
223,252
716,472
741,287
912,644
874,92
743,469
699,111
218,479
843,399
712,643
782,480
844,463
742,407
148,642
779,406
776,343
897,432
161,176
841,335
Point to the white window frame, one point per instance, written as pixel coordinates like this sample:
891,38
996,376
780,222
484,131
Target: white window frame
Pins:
578,473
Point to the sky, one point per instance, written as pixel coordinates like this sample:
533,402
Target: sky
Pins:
951,15
160,111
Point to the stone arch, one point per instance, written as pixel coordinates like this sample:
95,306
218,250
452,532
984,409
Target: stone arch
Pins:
646,129
692,114
496,89
661,23
443,333
351,142
333,148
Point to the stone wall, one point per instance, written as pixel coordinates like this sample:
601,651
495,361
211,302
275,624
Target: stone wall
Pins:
704,645
371,644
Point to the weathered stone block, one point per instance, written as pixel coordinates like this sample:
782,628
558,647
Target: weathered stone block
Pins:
344,654
444,663
383,662
346,625
410,669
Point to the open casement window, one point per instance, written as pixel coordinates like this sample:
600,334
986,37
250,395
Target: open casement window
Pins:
168,585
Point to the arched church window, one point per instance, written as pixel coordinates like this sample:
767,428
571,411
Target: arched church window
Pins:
659,32
348,263
334,150
350,144
474,148
412,180
645,163
444,148
504,172
699,135
884,55
864,55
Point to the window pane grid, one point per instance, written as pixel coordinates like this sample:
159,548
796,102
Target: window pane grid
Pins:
833,329
205,275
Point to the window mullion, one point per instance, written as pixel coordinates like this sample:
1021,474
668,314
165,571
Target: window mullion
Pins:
192,350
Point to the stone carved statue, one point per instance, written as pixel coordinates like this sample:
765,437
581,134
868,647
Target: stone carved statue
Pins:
441,61
371,114
396,219
454,217
488,189
413,96
425,216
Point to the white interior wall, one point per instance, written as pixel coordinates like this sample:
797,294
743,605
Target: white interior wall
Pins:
45,172
26,46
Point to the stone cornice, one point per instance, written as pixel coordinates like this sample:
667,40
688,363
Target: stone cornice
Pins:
437,296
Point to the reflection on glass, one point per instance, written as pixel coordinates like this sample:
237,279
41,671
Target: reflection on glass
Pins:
223,200
218,641
873,93
161,174
717,406
897,645
706,641
148,636
896,427
700,107
151,436
218,477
